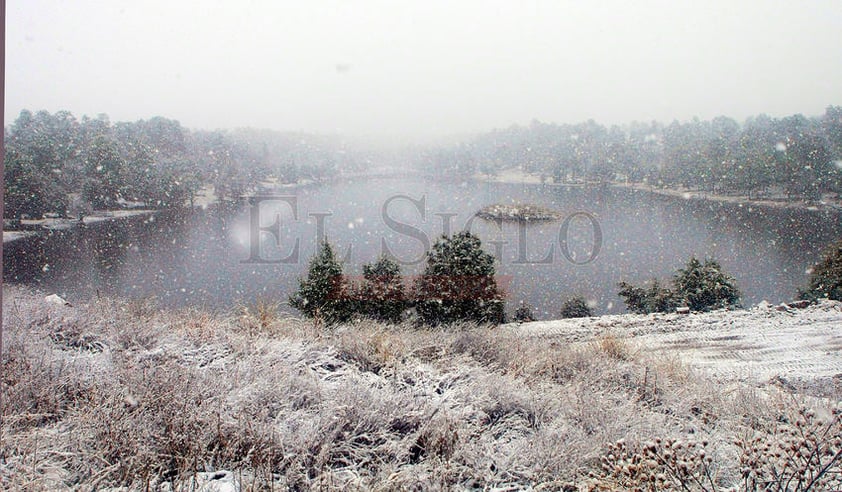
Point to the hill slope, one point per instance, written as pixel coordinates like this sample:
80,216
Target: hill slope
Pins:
120,394
752,345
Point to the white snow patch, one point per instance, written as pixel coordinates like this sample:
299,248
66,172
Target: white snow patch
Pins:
751,345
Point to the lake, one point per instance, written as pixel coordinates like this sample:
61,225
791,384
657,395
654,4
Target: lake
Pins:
225,256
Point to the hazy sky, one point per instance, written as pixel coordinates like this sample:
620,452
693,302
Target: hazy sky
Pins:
421,68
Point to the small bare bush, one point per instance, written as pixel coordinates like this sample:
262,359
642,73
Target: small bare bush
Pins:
39,388
802,453
658,465
143,308
370,349
484,345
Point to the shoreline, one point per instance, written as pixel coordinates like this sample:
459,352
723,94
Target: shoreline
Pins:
204,198
739,200
49,226
515,176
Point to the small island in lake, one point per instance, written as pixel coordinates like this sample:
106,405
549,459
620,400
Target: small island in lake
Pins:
518,212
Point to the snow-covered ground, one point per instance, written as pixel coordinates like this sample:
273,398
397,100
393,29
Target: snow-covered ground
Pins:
66,224
757,344
11,236
255,400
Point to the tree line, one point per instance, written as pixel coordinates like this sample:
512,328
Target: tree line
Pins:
795,156
459,285
56,163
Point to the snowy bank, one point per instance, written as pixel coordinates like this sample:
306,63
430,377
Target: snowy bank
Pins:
755,344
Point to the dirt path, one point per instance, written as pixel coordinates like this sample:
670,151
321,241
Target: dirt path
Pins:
754,345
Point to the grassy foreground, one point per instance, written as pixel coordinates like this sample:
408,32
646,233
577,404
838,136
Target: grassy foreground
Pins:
119,394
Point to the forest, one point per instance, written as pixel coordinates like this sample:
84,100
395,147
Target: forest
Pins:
795,156
58,164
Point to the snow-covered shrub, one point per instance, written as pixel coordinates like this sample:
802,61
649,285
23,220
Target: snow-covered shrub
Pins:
658,465
699,286
826,278
524,314
259,315
654,299
801,453
614,347
575,307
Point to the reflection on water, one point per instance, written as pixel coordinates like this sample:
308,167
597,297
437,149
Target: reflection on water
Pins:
204,258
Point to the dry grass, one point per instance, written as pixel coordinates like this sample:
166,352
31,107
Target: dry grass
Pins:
616,348
122,394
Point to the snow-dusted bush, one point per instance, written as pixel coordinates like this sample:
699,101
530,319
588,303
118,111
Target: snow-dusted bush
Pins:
656,465
826,278
802,453
645,300
704,286
524,313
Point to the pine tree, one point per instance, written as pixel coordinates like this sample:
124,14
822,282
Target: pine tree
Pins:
826,279
324,294
661,299
699,286
28,191
634,297
458,283
704,286
382,294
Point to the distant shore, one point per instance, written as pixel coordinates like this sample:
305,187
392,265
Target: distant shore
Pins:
204,198
828,202
42,226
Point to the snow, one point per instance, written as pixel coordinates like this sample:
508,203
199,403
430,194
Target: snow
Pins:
56,299
752,345
12,236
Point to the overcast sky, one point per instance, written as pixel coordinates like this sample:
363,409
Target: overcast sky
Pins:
421,68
